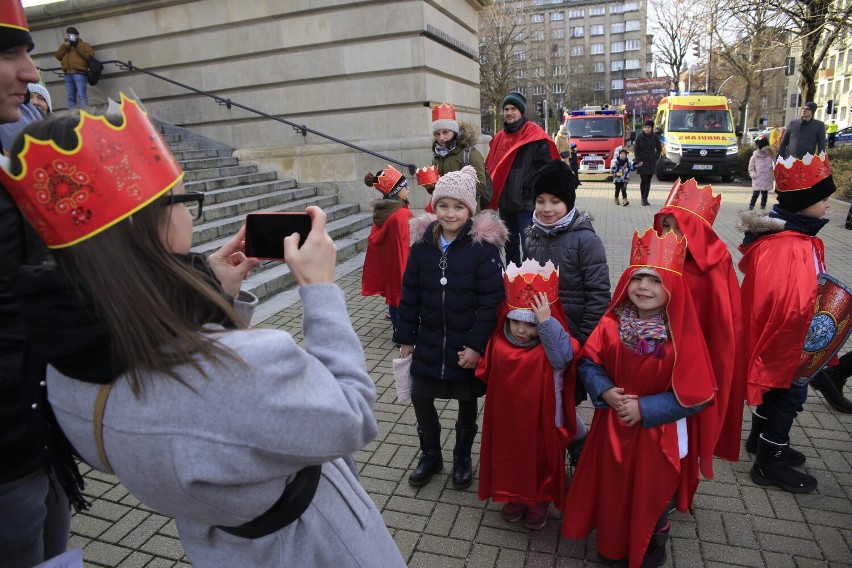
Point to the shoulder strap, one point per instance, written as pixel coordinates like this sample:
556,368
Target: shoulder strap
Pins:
98,421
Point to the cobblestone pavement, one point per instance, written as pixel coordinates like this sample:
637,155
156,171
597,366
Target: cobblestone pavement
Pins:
736,523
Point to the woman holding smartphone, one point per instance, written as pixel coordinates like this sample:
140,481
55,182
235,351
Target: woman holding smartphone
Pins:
238,434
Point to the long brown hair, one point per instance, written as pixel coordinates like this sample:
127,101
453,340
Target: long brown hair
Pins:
154,305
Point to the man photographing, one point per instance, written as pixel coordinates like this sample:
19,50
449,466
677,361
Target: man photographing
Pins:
74,55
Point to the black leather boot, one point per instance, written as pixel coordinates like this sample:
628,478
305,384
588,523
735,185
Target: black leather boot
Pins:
793,457
431,460
462,464
656,553
770,468
831,387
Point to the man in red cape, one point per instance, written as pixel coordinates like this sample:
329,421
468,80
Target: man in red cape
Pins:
781,259
514,154
709,274
527,424
628,476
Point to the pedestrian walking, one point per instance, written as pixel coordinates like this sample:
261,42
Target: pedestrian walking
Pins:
760,170
831,131
805,135
621,168
646,152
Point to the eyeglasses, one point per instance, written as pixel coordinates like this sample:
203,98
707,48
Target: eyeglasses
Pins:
193,200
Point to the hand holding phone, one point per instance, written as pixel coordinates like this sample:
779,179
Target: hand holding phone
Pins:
313,263
265,233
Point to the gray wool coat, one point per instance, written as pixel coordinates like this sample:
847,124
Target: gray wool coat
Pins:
578,252
222,451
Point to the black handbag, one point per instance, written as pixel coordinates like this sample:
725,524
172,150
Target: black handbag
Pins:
94,72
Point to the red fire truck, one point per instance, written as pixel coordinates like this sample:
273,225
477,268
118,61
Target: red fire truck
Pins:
599,132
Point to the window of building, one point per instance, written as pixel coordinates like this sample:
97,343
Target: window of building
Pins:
576,12
617,84
631,6
794,100
617,28
537,18
558,33
521,89
559,70
558,51
538,72
538,2
599,85
519,20
632,64
537,53
598,67
519,37
521,74
537,35
616,8
616,47
519,55
597,29
577,31
558,89
597,10
538,90
632,26
631,45
616,65
557,16
576,50
597,48
616,101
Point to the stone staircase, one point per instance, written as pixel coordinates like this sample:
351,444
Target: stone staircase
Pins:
232,190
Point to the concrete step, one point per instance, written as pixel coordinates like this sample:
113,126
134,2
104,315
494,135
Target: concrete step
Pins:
223,195
214,173
231,181
170,138
182,155
180,146
205,163
253,203
277,278
208,231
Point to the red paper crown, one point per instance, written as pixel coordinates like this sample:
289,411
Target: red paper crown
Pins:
697,200
427,175
665,253
793,174
71,195
12,15
388,180
523,283
443,111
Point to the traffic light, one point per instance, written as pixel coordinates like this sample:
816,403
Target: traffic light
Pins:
696,51
829,107
790,66
538,108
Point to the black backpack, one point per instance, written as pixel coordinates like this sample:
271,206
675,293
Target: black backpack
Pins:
485,198
95,70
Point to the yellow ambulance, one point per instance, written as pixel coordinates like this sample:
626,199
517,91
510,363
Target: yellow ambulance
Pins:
698,137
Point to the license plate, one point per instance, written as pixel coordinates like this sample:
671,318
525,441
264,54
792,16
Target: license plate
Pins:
593,166
702,167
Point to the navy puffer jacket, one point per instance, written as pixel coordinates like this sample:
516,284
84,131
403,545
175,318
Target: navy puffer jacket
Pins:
442,320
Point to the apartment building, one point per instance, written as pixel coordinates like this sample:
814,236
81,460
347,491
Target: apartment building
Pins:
582,51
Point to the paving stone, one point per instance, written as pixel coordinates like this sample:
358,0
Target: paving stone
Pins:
739,530
778,560
510,558
467,523
446,546
425,560
483,556
394,519
413,506
123,526
539,560
685,552
441,520
143,531
710,527
781,527
832,544
503,538
89,526
406,541
786,544
732,555
107,554
136,560
160,563
161,545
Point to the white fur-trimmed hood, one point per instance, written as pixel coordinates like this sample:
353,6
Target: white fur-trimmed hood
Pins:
487,227
759,223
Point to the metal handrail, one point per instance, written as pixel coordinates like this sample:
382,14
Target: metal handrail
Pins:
228,103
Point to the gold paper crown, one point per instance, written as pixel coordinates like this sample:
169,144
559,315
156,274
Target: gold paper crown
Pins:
443,111
793,174
697,200
427,175
523,283
665,253
69,196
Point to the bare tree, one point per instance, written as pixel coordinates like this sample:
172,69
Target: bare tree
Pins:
816,24
580,86
677,25
502,50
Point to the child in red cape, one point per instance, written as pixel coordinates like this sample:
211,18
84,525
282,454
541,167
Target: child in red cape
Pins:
528,365
646,369
387,245
709,274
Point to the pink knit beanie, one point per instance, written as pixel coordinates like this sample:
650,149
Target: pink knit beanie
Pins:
460,185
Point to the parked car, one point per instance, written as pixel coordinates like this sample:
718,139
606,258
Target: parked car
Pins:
753,133
844,136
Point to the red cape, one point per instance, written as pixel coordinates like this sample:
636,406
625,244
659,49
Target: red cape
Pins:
387,253
522,453
628,474
501,154
779,293
712,282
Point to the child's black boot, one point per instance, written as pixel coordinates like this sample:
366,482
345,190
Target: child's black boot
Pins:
771,468
793,457
462,464
656,554
431,461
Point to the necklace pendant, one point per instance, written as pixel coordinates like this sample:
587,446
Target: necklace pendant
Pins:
443,281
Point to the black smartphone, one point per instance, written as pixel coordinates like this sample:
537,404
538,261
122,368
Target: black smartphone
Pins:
265,233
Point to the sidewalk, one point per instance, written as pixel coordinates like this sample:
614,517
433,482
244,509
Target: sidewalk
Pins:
736,522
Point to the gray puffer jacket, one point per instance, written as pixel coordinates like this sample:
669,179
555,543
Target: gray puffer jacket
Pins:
578,252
